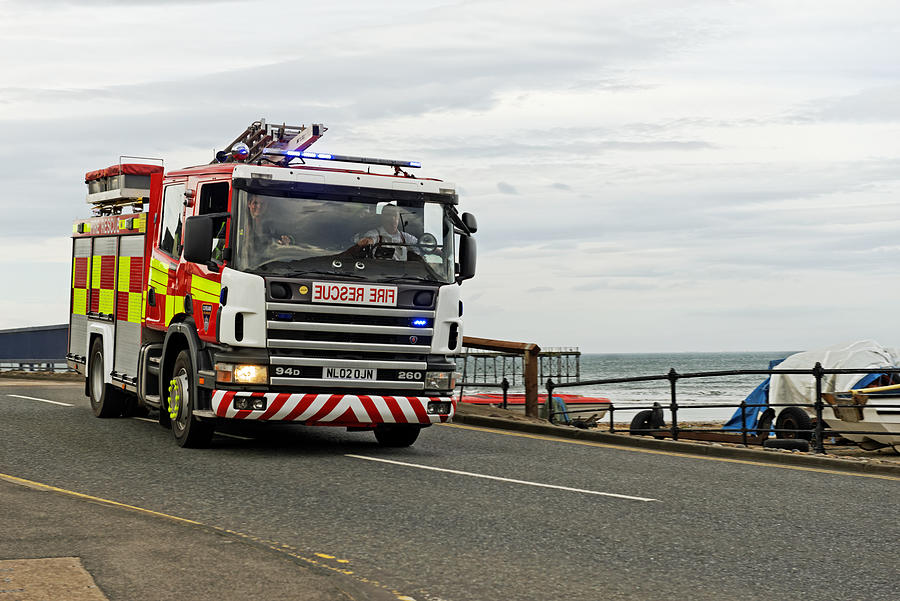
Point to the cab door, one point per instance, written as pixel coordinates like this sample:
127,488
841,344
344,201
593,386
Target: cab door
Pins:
164,299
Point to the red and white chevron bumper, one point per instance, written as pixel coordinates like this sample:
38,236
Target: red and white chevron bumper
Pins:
333,409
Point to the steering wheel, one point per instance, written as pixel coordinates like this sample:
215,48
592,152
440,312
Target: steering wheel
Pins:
376,250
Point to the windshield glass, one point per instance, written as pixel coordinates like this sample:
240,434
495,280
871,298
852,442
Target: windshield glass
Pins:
296,237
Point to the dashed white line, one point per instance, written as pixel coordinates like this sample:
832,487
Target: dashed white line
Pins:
31,398
510,480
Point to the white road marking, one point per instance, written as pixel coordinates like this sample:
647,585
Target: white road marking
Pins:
233,436
438,469
31,398
153,421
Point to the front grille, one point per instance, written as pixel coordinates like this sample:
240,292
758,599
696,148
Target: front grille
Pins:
304,340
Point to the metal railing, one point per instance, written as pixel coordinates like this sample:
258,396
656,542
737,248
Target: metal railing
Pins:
819,432
503,385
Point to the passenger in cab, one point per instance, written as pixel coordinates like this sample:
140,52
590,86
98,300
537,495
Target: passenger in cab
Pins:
261,227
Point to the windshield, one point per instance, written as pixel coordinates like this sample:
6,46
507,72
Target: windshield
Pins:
382,241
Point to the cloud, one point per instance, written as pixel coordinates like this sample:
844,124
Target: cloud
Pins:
505,188
872,105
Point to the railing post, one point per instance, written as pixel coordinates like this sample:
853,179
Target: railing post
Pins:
531,383
744,422
504,385
818,372
612,424
550,400
673,407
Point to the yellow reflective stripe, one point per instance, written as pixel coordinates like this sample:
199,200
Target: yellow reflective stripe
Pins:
204,297
143,305
79,301
141,223
174,305
135,307
74,262
205,285
203,290
159,277
95,271
157,264
107,301
123,282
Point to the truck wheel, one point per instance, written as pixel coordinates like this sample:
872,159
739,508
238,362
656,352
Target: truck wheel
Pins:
189,431
106,400
794,418
396,435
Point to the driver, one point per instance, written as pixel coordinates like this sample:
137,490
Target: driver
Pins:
388,233
261,229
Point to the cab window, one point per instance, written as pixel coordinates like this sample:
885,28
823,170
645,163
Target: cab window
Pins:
170,228
214,201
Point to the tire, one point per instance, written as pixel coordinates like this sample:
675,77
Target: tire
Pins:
396,435
106,400
794,418
189,431
645,420
641,421
792,444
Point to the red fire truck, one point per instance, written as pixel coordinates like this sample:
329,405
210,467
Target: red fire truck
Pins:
268,286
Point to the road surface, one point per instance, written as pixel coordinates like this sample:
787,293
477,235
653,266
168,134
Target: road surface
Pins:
469,514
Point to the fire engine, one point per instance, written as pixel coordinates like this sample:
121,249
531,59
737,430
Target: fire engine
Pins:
269,286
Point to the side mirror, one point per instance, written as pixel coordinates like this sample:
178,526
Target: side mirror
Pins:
467,254
198,237
470,222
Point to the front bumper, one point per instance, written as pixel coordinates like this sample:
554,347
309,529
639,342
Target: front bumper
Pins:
333,409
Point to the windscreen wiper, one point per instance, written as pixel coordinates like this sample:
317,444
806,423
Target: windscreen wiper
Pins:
308,272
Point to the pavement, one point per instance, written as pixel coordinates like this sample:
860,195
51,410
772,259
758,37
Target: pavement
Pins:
106,551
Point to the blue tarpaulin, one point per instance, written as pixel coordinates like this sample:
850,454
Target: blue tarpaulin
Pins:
759,396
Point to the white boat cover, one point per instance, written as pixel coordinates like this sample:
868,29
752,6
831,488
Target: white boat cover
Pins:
801,389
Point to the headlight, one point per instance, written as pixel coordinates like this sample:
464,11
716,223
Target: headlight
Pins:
242,373
440,380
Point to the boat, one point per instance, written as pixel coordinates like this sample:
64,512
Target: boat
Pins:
569,402
863,407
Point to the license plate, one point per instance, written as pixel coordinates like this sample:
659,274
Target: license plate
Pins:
354,294
349,373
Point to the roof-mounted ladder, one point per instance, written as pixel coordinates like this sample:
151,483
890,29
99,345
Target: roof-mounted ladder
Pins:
260,136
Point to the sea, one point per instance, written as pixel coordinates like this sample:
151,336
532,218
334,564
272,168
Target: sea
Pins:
628,398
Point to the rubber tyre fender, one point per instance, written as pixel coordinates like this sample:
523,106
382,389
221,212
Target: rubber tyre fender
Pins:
792,444
397,435
106,400
188,430
794,418
643,420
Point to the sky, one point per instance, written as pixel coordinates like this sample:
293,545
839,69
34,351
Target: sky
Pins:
648,175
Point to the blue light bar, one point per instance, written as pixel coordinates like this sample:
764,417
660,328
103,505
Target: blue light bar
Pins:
327,156
419,323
